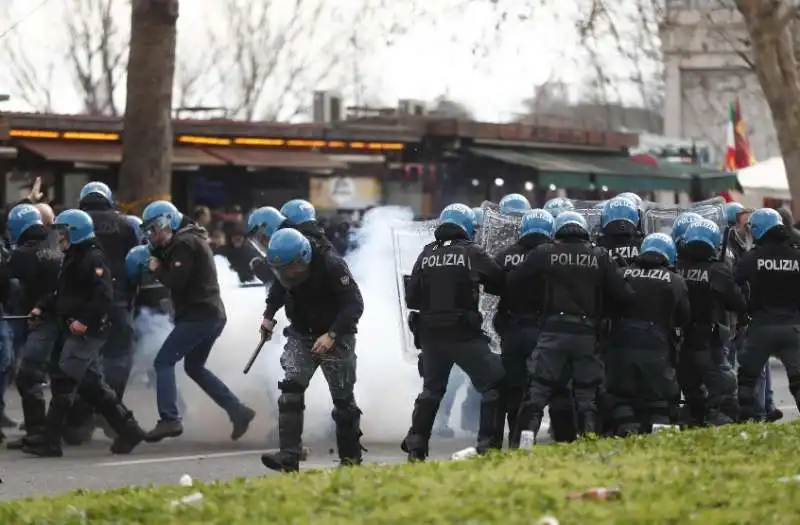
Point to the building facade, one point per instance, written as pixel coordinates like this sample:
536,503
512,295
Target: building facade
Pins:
706,50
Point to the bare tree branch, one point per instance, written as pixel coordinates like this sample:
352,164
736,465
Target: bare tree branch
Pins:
30,82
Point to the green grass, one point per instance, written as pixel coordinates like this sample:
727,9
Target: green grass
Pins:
711,476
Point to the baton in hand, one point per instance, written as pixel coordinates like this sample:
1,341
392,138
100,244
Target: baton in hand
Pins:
266,335
16,317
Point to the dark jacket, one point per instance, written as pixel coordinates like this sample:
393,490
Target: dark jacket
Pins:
188,270
84,292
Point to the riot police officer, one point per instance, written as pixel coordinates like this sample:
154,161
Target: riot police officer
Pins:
712,293
771,271
514,204
261,226
116,237
516,320
81,303
323,304
619,221
641,356
35,263
679,227
302,216
738,237
574,281
444,289
557,205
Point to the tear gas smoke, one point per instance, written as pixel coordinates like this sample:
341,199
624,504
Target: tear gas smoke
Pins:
387,384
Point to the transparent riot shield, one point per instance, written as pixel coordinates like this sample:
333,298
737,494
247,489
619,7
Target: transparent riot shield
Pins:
591,211
658,218
498,231
407,241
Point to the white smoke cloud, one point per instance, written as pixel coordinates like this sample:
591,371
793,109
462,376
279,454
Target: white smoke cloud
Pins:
387,383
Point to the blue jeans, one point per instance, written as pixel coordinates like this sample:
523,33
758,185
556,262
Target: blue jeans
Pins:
193,341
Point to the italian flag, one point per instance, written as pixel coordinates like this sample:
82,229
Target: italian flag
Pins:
739,154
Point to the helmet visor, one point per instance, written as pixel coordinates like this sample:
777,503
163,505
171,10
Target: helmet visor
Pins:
292,274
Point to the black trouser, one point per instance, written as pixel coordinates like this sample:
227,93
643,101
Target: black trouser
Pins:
566,351
641,382
769,335
485,371
117,361
517,344
76,372
39,344
703,363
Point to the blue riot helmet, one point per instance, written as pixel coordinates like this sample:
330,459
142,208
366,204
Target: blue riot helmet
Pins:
298,211
263,223
461,215
73,227
514,203
160,216
136,224
629,195
570,219
662,244
762,221
20,218
681,223
97,188
289,256
558,205
538,221
619,209
478,211
732,211
704,231
136,262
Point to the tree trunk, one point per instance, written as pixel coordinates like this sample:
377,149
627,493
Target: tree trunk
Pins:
777,69
146,170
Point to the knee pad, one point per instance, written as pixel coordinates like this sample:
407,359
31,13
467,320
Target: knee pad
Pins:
429,396
291,402
291,387
345,411
29,380
62,385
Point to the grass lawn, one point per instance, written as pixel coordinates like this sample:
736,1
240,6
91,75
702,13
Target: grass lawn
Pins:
711,476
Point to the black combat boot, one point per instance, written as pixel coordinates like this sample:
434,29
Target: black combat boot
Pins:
290,434
347,417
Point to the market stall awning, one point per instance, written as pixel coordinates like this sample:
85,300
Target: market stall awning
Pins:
110,153
576,169
265,158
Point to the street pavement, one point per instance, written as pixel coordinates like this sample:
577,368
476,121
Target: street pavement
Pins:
92,466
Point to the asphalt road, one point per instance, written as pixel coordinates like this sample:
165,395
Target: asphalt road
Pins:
91,466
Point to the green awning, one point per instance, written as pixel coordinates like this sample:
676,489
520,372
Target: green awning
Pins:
575,169
711,180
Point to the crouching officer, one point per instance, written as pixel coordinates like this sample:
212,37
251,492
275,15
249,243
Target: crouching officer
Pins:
771,271
641,358
712,293
35,262
444,289
323,304
82,301
574,281
517,318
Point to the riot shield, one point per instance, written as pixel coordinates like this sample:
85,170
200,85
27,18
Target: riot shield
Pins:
591,211
658,218
407,241
499,230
